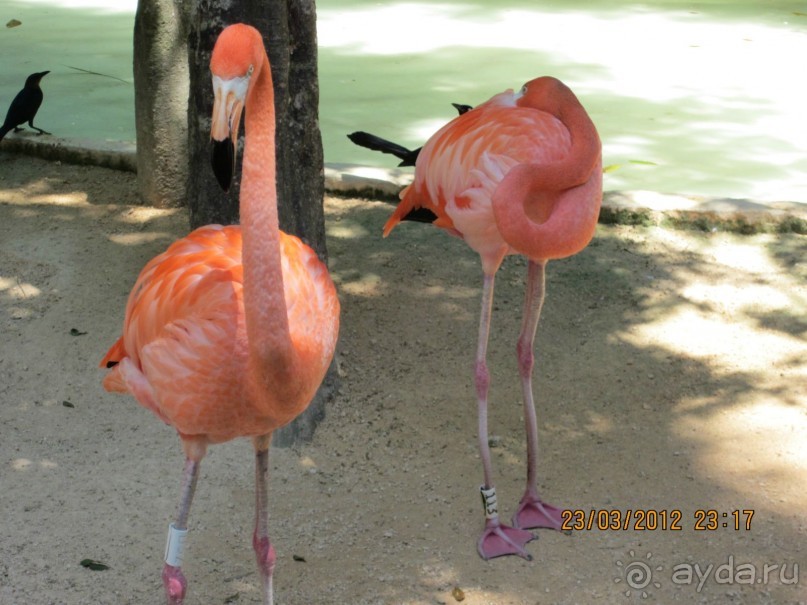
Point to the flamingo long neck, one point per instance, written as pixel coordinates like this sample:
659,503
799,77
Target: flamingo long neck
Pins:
270,348
576,168
565,195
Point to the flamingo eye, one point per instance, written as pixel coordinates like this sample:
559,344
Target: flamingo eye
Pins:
524,89
250,70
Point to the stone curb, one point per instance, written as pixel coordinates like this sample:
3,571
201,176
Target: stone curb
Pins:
619,207
117,155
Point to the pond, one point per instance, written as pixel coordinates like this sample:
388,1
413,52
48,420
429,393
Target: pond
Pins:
689,97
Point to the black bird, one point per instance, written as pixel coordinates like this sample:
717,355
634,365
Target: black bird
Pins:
25,105
407,156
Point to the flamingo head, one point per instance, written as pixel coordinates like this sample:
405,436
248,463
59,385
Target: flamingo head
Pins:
237,59
546,93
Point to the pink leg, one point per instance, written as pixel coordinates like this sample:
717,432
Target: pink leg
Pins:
532,511
173,579
497,538
264,551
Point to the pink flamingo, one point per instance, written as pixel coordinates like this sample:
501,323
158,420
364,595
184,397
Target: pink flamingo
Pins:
229,332
519,174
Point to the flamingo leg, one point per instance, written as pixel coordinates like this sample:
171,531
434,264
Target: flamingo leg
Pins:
497,539
264,551
532,512
173,579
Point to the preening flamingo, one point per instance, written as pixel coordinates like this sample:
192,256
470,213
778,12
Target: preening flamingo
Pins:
229,332
519,174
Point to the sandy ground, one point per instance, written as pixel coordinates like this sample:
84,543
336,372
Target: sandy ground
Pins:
671,377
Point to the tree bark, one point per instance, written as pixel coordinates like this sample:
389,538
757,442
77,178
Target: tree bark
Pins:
161,92
289,30
207,203
301,186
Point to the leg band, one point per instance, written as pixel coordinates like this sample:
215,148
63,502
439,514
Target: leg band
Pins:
489,502
175,546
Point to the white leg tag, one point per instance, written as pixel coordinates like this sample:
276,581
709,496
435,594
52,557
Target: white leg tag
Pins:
175,546
489,502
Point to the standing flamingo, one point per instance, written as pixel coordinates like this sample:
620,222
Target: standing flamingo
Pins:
519,174
229,332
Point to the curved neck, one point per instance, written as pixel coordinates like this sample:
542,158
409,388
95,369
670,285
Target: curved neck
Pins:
586,147
547,211
554,97
267,322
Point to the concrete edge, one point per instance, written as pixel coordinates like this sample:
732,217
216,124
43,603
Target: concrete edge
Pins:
619,207
117,155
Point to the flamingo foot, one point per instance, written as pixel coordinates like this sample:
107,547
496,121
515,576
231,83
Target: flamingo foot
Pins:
498,540
175,585
534,513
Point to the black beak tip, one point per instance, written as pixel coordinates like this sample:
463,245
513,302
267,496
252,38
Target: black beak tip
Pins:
223,161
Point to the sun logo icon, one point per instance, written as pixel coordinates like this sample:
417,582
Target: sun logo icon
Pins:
637,574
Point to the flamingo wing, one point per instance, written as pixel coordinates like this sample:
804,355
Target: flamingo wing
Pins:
185,338
311,302
460,167
182,328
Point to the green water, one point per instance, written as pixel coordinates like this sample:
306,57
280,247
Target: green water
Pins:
76,104
689,97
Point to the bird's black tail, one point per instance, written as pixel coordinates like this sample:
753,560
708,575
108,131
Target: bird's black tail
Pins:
370,141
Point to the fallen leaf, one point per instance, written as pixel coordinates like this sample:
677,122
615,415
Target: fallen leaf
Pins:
298,558
14,23
458,594
94,565
68,404
75,332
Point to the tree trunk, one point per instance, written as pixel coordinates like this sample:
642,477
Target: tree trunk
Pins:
301,184
161,93
208,204
289,30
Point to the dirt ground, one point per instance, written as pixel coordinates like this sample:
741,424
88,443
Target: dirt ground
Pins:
670,376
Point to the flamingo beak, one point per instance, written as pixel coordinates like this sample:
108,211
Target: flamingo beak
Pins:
228,105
